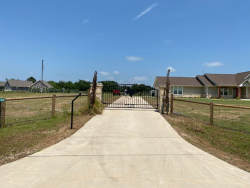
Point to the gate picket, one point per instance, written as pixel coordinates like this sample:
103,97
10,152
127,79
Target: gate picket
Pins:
130,96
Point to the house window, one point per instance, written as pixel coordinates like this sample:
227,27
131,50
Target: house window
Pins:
226,91
177,90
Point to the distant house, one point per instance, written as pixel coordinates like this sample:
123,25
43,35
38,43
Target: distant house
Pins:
2,86
41,86
209,85
17,85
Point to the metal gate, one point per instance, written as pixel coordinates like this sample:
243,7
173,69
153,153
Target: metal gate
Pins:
130,96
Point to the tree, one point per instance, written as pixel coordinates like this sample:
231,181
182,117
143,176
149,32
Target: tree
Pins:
109,86
31,79
141,88
82,85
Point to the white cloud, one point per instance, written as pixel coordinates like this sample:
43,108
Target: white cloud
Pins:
116,72
85,21
104,73
134,58
146,11
214,64
171,69
140,78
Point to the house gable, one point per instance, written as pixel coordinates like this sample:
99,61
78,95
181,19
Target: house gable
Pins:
41,85
246,81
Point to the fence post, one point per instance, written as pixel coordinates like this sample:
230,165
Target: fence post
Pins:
172,104
53,110
2,112
211,113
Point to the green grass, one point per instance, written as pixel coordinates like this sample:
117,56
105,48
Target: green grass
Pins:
225,117
36,109
234,145
236,102
16,139
12,94
27,138
34,128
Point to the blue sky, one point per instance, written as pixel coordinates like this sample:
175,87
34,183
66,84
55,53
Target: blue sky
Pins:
128,41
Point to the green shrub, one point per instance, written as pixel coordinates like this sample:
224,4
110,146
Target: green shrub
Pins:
97,108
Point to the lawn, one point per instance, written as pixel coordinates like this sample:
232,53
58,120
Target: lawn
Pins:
27,138
228,138
225,117
235,102
33,128
18,112
228,145
11,94
109,98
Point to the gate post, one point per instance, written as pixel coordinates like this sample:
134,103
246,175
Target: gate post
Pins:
160,98
2,112
172,104
211,113
53,106
99,87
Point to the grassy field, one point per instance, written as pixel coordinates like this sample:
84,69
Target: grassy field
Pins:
109,98
152,100
37,129
228,139
225,117
228,145
19,112
19,141
29,94
235,102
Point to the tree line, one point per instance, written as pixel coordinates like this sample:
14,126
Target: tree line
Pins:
82,85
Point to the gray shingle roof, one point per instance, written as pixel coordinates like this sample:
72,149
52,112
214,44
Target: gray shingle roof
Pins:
222,79
19,83
177,81
44,83
204,81
233,80
241,77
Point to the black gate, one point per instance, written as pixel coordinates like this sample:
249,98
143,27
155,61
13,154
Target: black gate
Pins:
130,96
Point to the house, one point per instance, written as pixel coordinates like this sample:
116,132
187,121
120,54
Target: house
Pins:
209,85
2,86
17,85
41,86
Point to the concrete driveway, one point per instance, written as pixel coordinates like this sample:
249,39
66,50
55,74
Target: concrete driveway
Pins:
127,149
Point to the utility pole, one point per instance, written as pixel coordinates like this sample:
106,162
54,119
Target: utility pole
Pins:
42,69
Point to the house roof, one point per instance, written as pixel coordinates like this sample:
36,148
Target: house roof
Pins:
241,77
160,81
221,80
44,83
204,81
19,83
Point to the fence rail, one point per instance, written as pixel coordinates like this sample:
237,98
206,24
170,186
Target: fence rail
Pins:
26,109
205,103
226,116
